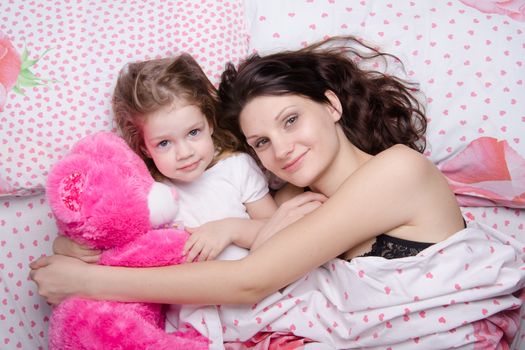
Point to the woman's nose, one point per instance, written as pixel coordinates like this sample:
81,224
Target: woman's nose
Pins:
282,147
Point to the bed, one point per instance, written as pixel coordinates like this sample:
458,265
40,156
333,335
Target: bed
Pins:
59,60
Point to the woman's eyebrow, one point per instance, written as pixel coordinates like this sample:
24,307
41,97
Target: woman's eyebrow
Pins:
252,137
277,116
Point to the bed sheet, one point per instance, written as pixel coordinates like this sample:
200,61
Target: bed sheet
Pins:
28,229
420,302
512,222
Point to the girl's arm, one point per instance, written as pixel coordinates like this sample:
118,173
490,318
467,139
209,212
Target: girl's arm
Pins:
262,208
259,211
209,240
369,202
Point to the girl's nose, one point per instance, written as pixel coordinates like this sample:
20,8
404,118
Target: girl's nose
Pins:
184,150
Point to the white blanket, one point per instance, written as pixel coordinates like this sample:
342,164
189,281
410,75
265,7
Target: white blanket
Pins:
462,292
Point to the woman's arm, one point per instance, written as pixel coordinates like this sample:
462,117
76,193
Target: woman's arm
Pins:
369,202
288,213
286,193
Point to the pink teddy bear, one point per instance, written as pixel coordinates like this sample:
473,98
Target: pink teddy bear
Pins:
102,195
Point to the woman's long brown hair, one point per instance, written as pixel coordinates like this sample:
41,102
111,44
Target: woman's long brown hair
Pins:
379,110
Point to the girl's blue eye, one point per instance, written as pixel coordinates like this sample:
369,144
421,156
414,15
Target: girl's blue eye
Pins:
194,132
163,143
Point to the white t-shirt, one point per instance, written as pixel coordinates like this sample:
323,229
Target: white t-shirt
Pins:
218,194
221,191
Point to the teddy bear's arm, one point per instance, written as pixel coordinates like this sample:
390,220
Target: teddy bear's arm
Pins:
155,248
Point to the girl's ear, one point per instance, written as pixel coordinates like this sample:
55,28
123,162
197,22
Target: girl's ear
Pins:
335,107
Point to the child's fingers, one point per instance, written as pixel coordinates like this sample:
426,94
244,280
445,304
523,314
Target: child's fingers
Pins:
205,253
193,252
189,244
213,254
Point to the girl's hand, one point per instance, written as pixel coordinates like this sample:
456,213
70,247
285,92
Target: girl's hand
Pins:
58,277
64,246
207,241
288,213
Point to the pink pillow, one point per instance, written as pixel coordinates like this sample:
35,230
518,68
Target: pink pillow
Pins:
515,9
487,172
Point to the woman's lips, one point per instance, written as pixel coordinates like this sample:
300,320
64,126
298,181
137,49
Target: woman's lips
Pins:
294,164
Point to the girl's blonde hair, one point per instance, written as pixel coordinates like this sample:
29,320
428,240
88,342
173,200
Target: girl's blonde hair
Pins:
145,87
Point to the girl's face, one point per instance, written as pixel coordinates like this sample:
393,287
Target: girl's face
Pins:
294,137
179,141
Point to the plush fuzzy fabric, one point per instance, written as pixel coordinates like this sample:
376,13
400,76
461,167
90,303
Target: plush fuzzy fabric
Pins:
99,196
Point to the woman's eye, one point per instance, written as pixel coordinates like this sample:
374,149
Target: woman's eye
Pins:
291,120
194,132
260,143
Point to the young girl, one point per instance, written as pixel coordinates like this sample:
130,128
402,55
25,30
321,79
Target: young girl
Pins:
316,119
166,110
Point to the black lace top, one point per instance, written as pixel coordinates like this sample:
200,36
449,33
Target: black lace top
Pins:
390,247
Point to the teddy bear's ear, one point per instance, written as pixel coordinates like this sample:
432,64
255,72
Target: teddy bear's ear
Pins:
69,190
65,185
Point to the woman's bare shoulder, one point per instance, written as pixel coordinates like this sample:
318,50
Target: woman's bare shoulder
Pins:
401,164
403,153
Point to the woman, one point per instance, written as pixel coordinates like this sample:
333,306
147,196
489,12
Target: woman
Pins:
317,120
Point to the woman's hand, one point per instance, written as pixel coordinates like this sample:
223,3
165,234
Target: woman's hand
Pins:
58,277
64,246
288,213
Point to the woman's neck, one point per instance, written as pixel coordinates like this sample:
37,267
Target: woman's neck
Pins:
347,160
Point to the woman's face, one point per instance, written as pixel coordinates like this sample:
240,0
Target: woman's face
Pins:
293,136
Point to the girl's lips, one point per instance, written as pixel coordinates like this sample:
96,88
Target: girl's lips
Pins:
190,167
294,164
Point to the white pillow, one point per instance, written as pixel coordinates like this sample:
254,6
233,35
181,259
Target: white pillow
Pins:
470,65
87,45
